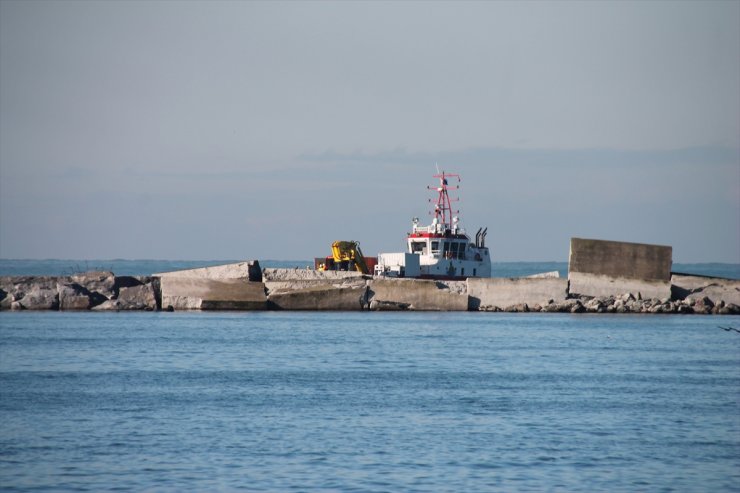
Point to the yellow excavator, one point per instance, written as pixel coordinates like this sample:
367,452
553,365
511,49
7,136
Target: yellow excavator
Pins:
346,254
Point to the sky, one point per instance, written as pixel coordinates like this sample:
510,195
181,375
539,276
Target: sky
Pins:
268,130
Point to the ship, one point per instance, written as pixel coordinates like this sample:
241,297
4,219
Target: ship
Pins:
441,250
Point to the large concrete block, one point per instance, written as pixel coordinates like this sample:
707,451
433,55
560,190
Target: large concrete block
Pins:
620,259
211,294
414,294
506,292
320,297
606,286
239,270
714,288
611,268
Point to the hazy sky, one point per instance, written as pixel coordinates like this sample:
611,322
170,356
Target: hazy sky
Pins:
239,130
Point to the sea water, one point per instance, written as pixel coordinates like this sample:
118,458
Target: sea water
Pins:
368,401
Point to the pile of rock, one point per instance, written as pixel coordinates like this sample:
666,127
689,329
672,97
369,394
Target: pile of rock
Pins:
627,303
96,290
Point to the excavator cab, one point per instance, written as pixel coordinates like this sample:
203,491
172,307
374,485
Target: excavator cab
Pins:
346,255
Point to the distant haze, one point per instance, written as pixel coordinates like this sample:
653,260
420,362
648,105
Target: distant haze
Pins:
239,130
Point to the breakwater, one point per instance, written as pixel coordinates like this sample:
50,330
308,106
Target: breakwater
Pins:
603,277
229,288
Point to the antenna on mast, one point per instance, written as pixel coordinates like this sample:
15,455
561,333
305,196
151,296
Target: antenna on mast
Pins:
443,211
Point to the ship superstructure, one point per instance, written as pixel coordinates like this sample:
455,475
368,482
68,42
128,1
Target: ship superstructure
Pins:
441,250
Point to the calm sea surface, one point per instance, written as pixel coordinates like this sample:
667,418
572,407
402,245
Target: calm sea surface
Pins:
281,401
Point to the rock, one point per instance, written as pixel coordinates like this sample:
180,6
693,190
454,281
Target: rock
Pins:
382,305
5,300
31,292
594,305
577,307
40,298
254,272
73,297
703,305
113,305
101,282
683,308
518,308
730,309
141,297
552,307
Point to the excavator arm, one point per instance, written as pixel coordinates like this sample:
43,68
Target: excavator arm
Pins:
349,251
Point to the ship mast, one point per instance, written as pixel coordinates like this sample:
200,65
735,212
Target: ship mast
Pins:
443,207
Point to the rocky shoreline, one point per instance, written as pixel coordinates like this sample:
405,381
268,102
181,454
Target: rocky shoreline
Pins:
97,290
627,303
289,289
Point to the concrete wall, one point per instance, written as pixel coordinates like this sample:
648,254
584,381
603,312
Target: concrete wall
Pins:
612,268
503,292
620,259
182,293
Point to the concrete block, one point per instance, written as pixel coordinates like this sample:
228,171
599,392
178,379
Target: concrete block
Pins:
714,288
605,286
508,292
320,297
620,259
279,287
239,270
545,275
273,274
212,294
414,294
